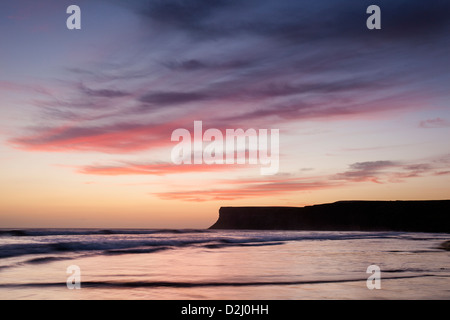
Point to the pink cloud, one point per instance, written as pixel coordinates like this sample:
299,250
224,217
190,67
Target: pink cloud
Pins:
115,138
24,88
434,123
263,189
155,169
362,172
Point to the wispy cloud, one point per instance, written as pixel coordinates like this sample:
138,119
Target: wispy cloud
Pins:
292,20
434,123
244,64
158,169
262,189
24,88
388,171
117,138
103,93
170,98
380,172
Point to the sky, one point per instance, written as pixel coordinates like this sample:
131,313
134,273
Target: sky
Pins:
87,115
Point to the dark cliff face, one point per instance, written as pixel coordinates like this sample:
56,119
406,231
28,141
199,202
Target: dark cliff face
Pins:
414,216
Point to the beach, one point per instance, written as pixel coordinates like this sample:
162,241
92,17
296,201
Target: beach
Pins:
200,264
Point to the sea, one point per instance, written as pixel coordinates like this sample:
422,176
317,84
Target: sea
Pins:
198,264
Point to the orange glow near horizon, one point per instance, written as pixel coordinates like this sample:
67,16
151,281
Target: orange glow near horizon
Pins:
87,115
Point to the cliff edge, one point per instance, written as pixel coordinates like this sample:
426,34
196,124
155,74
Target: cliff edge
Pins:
412,216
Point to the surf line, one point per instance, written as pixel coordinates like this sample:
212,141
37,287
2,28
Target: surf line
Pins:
229,148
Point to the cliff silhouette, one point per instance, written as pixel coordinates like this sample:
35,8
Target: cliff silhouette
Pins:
412,216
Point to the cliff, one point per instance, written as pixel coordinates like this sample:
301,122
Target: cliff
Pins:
418,216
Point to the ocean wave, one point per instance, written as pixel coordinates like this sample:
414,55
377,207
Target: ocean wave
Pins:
81,232
14,250
115,247
13,233
170,284
224,244
149,241
136,250
41,260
